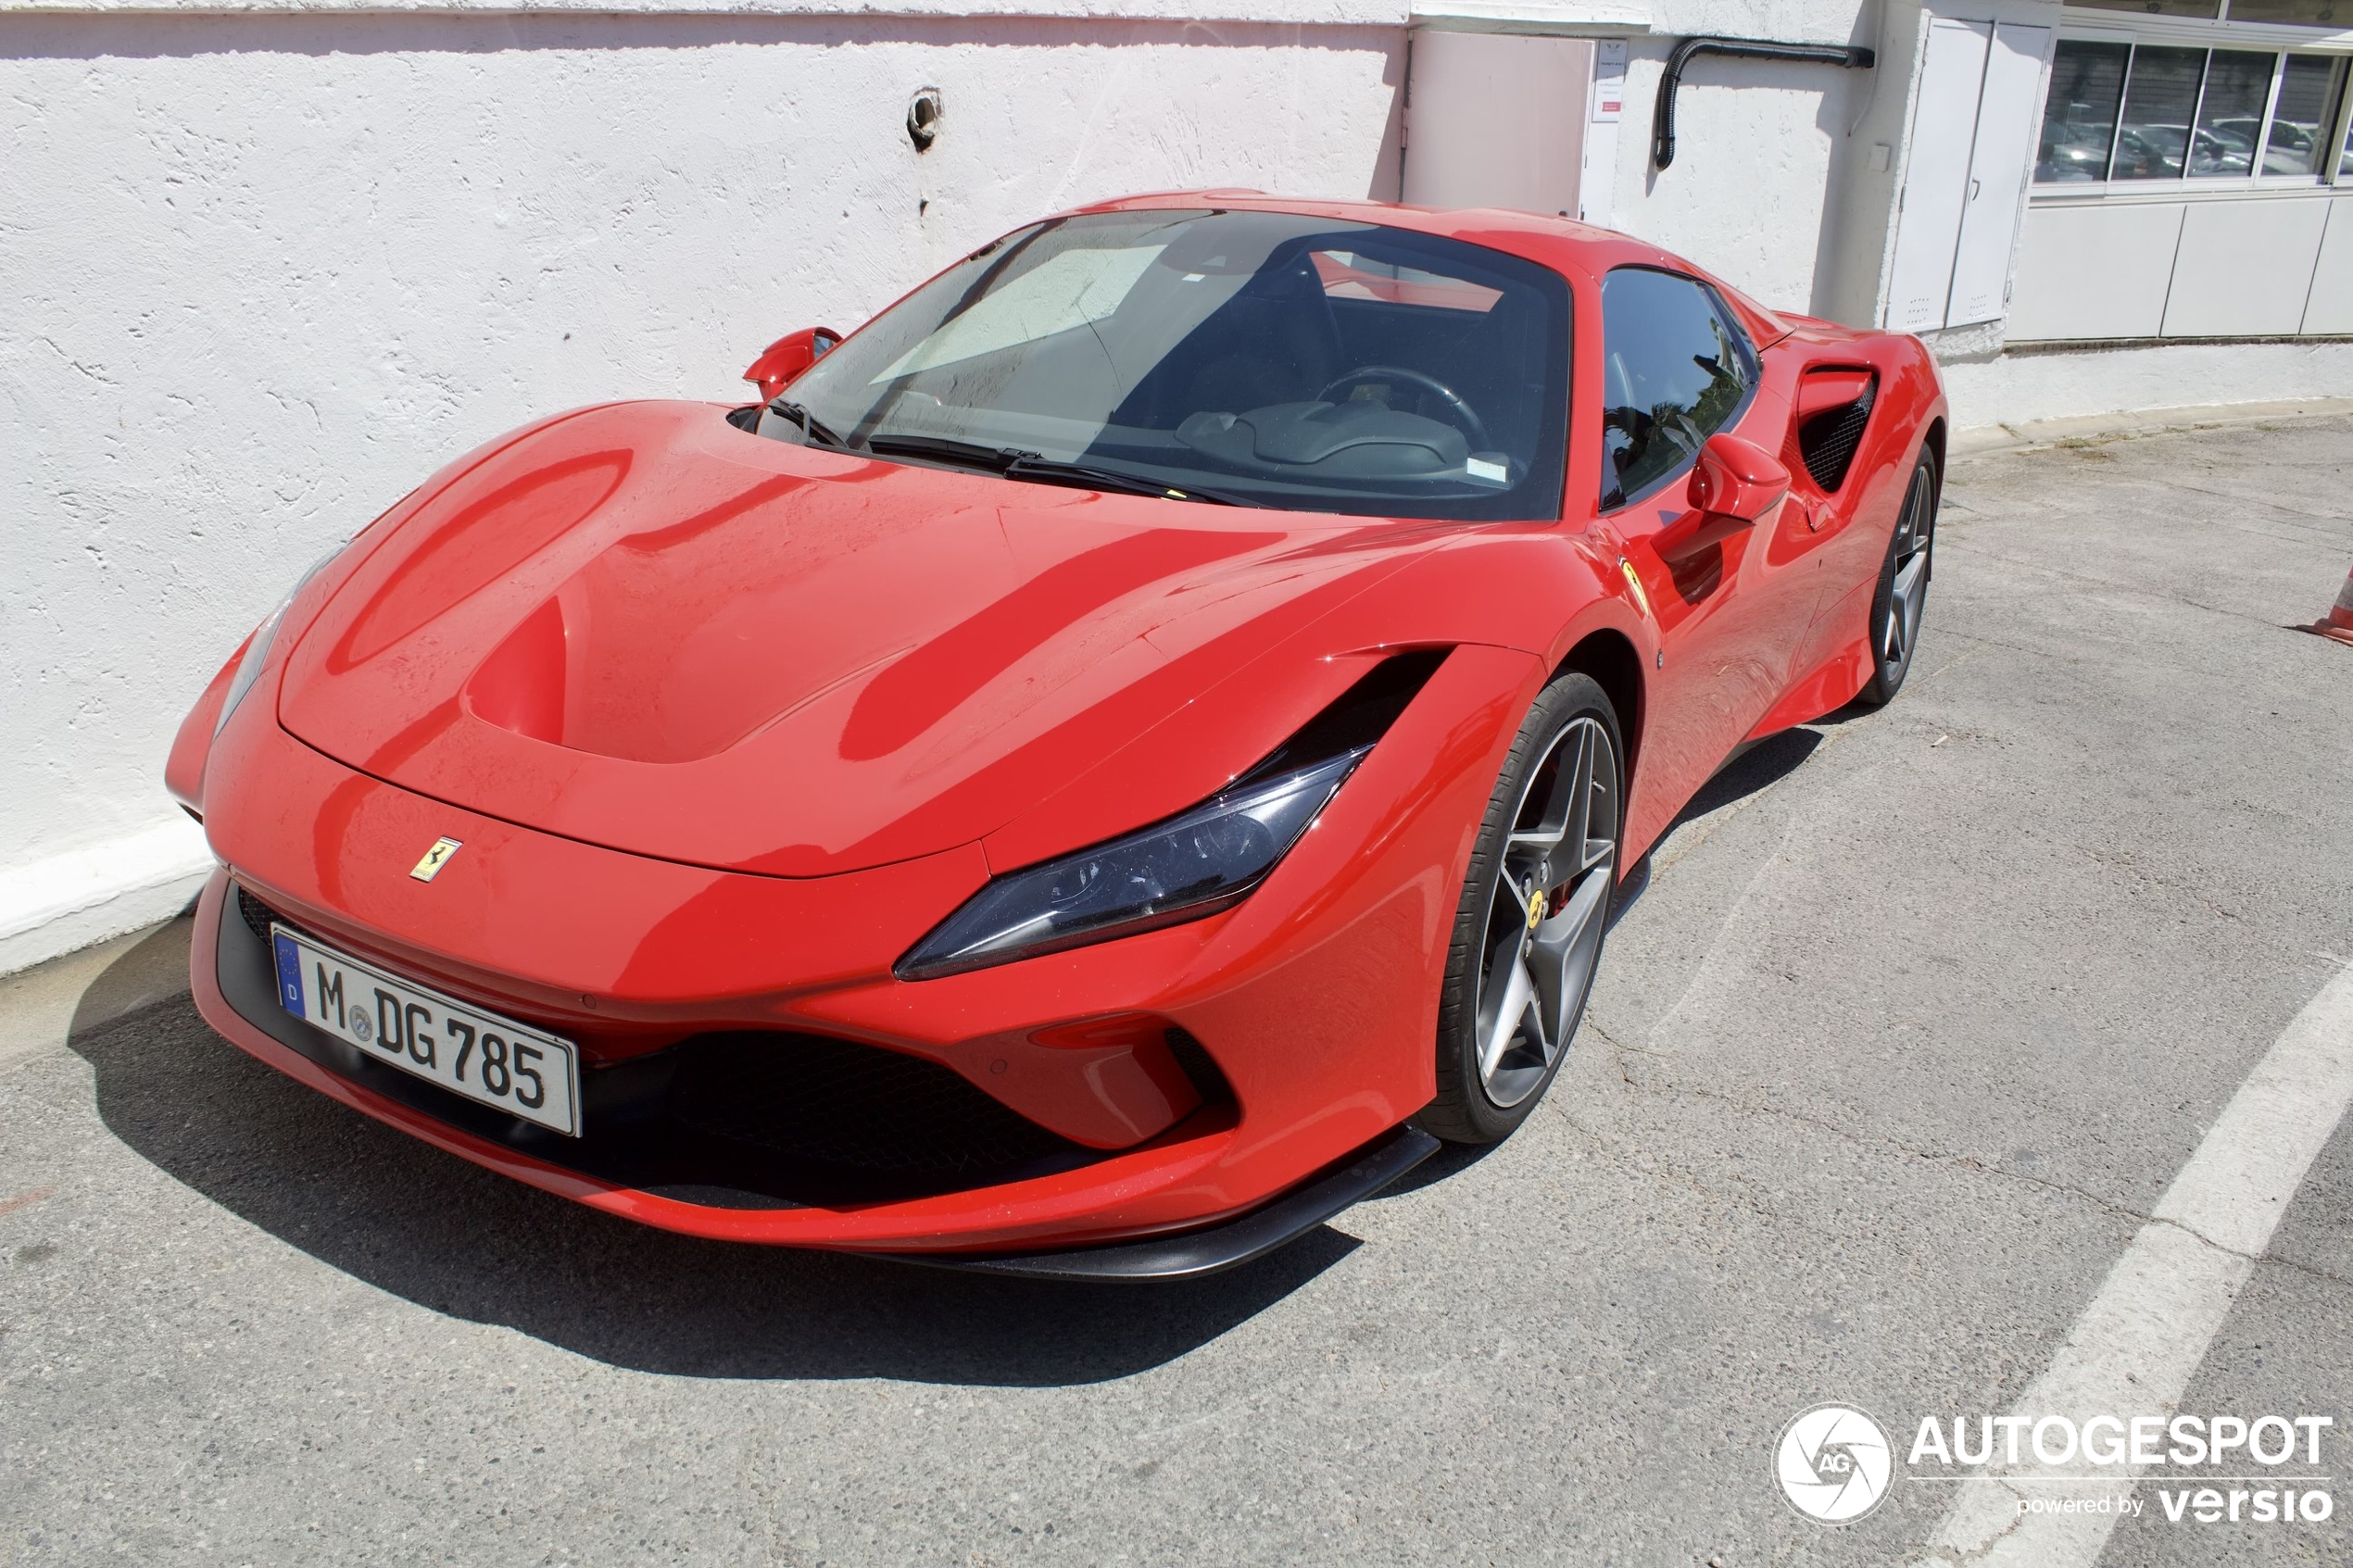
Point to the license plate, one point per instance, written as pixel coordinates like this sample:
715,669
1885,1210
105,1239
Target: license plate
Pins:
489,1059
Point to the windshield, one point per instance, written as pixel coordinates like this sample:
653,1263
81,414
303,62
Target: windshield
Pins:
1268,358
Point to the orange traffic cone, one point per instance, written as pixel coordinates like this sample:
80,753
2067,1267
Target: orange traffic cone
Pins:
2338,622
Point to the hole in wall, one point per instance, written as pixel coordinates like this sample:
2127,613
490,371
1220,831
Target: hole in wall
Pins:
923,119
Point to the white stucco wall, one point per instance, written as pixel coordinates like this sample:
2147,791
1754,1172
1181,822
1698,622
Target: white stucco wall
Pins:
2018,389
1755,142
268,264
1745,195
265,272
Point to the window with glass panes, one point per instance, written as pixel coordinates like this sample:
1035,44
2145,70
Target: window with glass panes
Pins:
2303,13
2137,111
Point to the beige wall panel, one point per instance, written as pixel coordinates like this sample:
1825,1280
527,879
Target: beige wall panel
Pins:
2329,308
1496,120
2093,272
2244,268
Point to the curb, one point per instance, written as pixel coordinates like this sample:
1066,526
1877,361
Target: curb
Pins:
2033,435
66,902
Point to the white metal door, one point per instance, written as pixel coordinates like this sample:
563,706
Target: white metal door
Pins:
1496,120
2008,113
1936,172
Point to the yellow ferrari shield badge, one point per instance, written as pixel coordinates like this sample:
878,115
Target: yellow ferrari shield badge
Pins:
436,858
1634,580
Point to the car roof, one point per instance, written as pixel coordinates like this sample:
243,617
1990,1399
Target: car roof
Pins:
1560,242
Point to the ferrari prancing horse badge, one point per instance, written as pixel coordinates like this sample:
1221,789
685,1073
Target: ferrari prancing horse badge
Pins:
436,858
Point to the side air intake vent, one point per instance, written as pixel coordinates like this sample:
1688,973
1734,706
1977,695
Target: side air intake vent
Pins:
1827,440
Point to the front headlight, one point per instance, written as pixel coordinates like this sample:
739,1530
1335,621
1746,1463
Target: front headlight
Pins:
1189,866
258,646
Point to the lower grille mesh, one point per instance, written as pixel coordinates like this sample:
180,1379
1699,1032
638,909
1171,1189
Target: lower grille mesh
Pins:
257,914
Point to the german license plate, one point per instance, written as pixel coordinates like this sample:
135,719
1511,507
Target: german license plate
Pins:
490,1059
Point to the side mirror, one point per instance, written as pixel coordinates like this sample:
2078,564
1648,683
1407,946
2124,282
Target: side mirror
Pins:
786,358
1736,479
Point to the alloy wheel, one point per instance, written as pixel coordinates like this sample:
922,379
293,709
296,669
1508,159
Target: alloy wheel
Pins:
1548,911
1907,592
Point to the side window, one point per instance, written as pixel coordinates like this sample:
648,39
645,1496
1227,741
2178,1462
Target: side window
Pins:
1675,369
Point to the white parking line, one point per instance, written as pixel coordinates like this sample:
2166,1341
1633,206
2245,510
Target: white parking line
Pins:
2137,1344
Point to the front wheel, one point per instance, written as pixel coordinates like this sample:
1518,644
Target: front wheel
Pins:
1535,906
1901,595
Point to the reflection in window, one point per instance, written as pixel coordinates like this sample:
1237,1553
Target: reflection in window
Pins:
2079,119
2158,101
2229,118
1281,358
1346,275
2118,111
1674,371
2160,7
1066,290
2309,11
2306,113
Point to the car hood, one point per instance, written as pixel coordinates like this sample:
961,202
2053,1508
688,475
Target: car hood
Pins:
639,627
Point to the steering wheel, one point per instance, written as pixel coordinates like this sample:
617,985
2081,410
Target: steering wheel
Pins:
1462,413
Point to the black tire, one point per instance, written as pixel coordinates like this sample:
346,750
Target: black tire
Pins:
1482,1102
1914,537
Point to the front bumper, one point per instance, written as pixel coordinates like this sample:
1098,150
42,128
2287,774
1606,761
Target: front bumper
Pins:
1315,999
1191,1254
647,1168
642,1165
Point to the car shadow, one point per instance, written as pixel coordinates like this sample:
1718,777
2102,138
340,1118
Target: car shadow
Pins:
1750,771
1754,770
433,1229
1450,1160
451,1236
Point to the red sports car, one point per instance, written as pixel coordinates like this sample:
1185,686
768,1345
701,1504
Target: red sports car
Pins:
1096,770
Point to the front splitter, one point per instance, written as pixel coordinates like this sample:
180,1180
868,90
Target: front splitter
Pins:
1192,1254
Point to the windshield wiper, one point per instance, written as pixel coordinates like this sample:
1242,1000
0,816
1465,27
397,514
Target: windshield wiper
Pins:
811,426
969,454
1013,462
1030,465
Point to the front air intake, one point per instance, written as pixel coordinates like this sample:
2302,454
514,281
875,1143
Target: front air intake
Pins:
1358,717
838,1103
734,1119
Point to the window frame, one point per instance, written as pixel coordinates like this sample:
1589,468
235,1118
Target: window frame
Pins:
2337,124
2280,40
1739,334
873,399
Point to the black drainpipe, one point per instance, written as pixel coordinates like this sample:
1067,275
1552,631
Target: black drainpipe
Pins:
1663,138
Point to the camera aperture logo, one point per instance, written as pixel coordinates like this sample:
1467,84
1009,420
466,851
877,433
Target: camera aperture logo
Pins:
1834,1463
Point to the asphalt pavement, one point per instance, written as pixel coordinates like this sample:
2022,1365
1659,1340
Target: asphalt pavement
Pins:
1917,1019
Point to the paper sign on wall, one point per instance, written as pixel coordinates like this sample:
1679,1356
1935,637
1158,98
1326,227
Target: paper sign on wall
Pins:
1609,80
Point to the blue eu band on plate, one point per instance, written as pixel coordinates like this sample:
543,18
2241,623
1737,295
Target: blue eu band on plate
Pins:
490,1059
